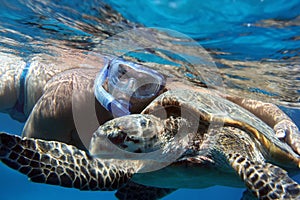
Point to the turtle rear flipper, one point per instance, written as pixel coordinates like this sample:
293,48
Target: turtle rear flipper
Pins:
57,163
265,180
134,191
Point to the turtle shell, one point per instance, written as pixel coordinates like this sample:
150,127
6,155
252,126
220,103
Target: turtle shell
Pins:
212,110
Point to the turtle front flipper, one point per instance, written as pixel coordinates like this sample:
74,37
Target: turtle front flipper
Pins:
265,180
282,124
134,191
57,163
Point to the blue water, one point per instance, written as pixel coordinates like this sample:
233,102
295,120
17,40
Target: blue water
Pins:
249,31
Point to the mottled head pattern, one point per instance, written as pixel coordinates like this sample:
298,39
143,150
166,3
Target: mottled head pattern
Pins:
142,133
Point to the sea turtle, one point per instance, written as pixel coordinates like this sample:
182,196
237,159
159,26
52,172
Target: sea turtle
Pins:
223,144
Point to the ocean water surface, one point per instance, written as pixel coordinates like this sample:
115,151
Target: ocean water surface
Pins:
255,45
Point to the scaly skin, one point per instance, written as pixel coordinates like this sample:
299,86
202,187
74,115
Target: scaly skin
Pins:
264,180
57,163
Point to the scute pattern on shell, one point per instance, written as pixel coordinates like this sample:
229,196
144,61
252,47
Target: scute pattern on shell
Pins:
214,109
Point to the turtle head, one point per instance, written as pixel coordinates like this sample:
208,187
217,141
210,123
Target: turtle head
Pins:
132,133
153,142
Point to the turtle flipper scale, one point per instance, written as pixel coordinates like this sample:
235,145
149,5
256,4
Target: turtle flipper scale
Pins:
265,180
57,163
